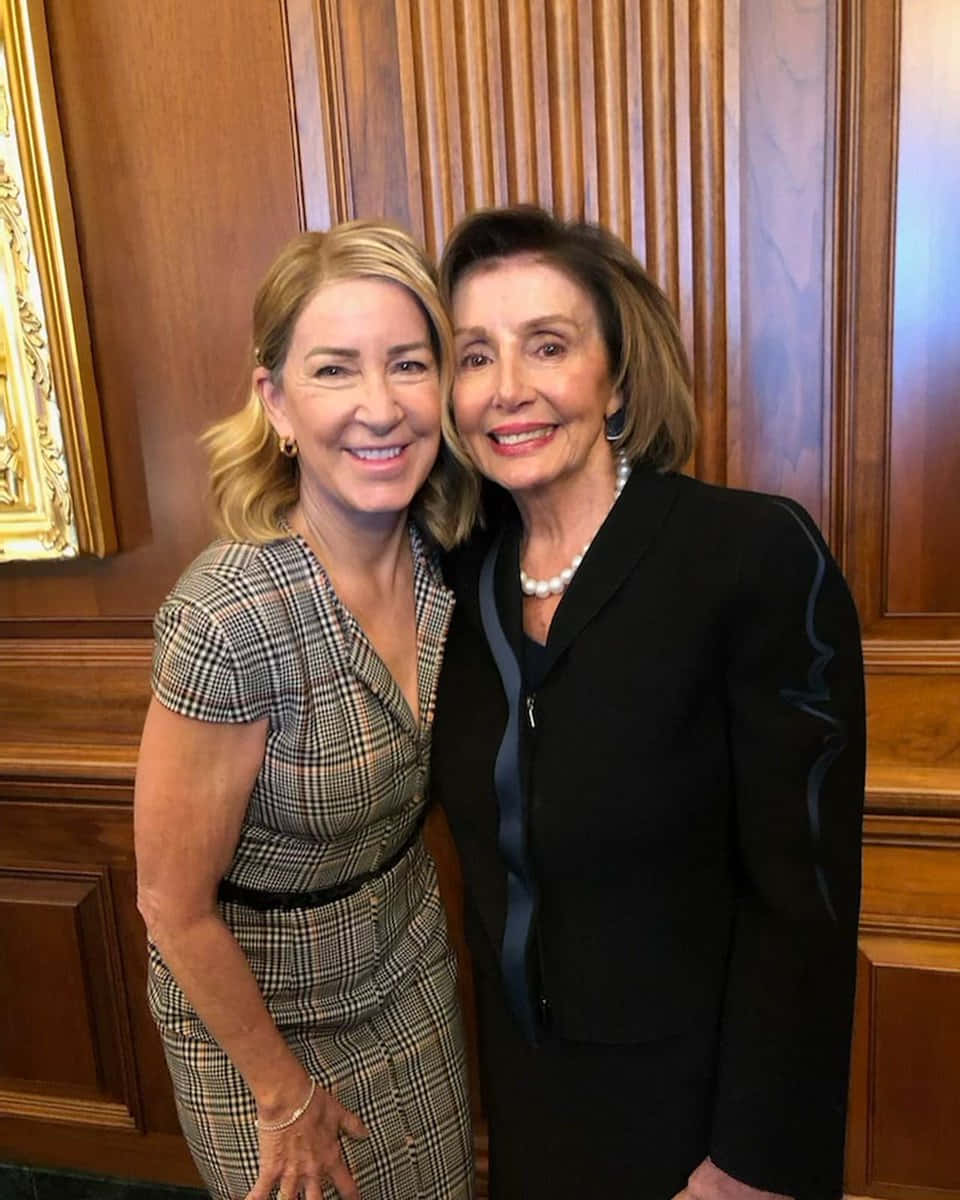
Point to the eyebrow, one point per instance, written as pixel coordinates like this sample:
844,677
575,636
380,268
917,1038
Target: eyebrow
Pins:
343,352
336,351
548,319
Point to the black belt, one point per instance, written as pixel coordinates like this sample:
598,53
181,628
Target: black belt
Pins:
286,901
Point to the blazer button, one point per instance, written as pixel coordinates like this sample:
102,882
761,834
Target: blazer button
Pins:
546,1013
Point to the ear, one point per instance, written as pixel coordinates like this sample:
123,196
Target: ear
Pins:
274,402
614,404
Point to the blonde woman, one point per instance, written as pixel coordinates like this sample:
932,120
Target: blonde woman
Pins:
300,973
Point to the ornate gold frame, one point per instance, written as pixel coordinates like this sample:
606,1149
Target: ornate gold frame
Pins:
54,486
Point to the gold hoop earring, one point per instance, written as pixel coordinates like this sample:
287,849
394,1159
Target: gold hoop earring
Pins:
288,447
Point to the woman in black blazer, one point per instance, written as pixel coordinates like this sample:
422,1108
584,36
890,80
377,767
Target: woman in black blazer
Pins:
649,743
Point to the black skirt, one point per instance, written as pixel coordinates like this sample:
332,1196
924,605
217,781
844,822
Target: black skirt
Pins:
575,1120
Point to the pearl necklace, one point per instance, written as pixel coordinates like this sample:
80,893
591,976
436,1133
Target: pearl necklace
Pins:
557,584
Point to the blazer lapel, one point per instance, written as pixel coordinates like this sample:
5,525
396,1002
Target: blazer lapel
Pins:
507,586
620,543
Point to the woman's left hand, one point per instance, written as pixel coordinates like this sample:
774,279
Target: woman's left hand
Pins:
708,1182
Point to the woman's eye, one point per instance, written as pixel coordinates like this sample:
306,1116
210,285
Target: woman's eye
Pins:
330,371
550,349
410,366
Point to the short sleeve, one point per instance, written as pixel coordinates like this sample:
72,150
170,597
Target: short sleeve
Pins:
195,671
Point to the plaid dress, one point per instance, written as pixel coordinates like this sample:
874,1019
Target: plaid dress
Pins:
362,988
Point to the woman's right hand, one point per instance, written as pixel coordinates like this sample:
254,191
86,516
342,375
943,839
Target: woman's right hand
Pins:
301,1159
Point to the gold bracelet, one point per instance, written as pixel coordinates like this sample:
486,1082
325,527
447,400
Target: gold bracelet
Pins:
276,1126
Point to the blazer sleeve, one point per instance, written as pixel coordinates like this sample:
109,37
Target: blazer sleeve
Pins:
796,729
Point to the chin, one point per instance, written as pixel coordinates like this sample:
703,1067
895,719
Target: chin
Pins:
518,479
383,505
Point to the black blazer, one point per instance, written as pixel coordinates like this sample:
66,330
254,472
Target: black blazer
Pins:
694,772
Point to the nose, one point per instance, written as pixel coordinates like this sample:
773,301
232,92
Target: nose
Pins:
512,388
377,407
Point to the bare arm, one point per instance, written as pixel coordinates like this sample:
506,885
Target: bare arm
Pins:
194,780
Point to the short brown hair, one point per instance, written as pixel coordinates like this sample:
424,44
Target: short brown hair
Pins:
648,361
253,483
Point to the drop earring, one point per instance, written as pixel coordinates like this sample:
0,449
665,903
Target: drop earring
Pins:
615,424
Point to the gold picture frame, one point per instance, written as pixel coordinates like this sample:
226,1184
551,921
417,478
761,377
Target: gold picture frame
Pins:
54,487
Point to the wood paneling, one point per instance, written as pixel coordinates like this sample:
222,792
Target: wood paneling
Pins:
79,1049
920,733
749,152
923,572
65,1047
906,1059
784,169
779,412
709,241
177,124
178,141
905,1117
899,444
76,692
895,458
910,870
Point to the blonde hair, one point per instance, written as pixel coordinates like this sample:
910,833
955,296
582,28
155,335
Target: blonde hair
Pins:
252,482
648,361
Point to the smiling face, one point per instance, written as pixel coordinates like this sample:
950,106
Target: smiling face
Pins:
360,394
532,387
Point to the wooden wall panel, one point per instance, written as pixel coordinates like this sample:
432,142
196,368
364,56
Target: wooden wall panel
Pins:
751,153
82,1077
922,573
700,132
911,1117
895,529
886,464
65,1047
915,1117
892,446
906,1060
62,694
178,141
184,172
779,411
906,1056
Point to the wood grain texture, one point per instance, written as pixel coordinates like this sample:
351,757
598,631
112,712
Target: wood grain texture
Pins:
911,869
177,138
65,1046
69,838
709,237
87,692
177,129
658,74
905,1113
778,415
162,1157
913,719
906,1053
321,150
506,102
922,573
611,39
869,99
